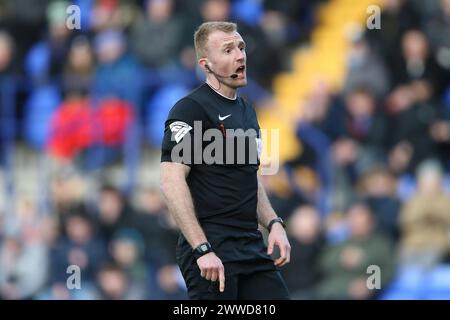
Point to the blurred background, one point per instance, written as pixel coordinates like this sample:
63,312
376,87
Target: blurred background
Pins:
364,120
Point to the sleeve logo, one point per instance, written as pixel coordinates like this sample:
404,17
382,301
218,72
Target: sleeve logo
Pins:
179,130
259,147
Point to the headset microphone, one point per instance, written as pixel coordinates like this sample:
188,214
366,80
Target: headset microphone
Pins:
232,76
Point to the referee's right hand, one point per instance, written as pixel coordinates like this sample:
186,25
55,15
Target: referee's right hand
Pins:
211,268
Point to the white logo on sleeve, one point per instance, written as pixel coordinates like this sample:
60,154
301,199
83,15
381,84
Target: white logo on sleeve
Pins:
259,147
179,129
223,118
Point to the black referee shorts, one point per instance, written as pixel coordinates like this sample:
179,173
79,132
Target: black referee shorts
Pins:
243,281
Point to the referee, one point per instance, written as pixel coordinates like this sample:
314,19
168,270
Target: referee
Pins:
218,205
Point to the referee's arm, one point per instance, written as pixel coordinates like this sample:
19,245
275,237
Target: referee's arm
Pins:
277,235
179,202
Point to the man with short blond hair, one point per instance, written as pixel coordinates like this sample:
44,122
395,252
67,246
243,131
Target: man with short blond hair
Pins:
213,191
202,33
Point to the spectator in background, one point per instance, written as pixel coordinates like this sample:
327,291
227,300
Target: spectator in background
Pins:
215,10
304,179
282,197
51,232
364,68
190,14
67,190
70,128
360,142
164,65
378,187
412,113
316,129
23,268
425,220
152,223
307,241
79,246
104,14
171,284
438,32
161,236
8,67
417,63
113,283
79,68
46,59
114,212
6,54
400,100
262,68
159,22
397,17
427,10
7,72
25,21
288,22
365,125
91,133
52,237
440,133
127,251
321,110
118,74
344,265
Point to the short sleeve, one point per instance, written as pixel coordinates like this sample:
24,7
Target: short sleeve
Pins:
253,123
179,131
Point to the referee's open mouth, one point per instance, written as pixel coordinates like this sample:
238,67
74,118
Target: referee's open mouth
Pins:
241,71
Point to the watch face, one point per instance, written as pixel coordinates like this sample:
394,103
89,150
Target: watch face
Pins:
204,247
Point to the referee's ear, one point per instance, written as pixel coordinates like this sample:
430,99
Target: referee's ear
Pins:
203,62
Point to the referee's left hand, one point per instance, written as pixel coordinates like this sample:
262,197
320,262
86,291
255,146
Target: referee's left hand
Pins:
278,237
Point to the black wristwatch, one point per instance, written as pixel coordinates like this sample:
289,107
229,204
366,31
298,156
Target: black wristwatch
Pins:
202,249
277,219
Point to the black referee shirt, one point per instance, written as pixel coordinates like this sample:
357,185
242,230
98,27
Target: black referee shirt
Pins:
224,193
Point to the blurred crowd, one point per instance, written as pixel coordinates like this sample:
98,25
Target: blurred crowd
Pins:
127,56
370,187
373,175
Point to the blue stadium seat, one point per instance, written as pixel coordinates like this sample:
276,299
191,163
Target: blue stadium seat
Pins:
248,11
406,186
437,296
395,294
407,285
86,7
38,112
37,61
437,285
158,108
